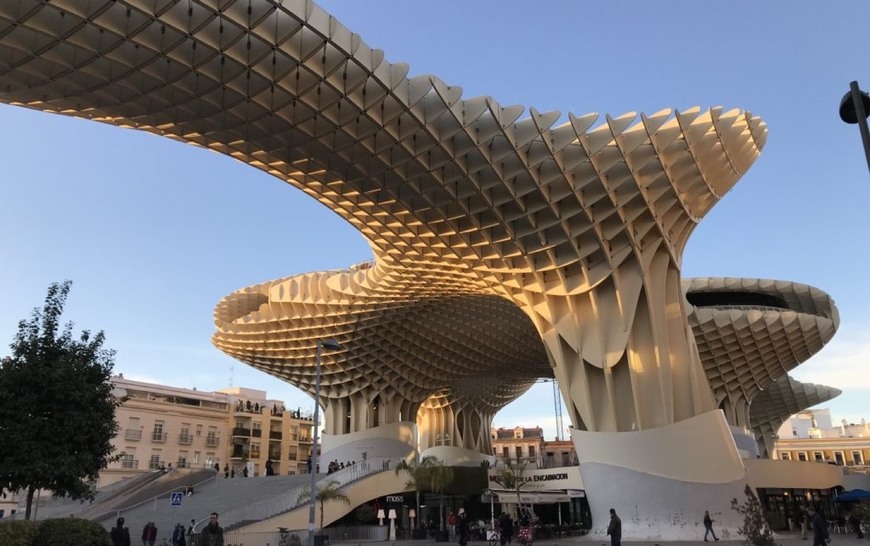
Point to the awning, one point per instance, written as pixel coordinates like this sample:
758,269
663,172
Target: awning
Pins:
539,497
854,495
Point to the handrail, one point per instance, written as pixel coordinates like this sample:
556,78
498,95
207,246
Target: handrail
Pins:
141,479
292,499
118,511
118,496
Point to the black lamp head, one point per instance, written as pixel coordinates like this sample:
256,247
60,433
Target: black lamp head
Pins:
847,107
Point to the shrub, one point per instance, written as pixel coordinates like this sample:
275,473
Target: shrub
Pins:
71,532
18,533
755,528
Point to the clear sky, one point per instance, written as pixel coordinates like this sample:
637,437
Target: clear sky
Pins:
154,233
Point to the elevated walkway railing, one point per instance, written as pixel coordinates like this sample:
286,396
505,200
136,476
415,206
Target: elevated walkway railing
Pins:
118,497
65,506
294,499
114,511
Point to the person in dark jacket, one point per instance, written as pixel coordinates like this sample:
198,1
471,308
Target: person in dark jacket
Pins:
212,534
462,529
506,529
149,534
119,534
708,526
178,538
820,528
614,529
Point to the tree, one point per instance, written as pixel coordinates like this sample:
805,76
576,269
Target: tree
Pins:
512,476
327,492
428,474
57,412
754,528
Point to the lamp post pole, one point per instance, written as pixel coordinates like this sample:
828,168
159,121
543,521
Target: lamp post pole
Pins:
854,109
321,344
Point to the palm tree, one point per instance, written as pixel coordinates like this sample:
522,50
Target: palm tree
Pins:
428,474
512,476
327,492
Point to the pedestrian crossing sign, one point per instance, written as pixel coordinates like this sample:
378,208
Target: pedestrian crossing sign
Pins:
175,498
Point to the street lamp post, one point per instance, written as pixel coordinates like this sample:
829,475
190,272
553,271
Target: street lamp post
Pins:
854,108
321,344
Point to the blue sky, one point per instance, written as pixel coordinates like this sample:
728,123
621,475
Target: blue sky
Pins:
153,233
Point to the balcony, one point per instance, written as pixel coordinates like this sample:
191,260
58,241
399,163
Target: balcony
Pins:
185,438
256,433
131,434
304,439
255,454
241,431
275,454
275,435
129,463
239,453
158,436
153,465
212,441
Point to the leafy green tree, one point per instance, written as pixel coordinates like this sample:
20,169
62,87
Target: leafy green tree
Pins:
57,412
427,474
754,528
327,492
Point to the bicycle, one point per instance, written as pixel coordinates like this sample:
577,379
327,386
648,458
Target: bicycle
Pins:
494,538
525,537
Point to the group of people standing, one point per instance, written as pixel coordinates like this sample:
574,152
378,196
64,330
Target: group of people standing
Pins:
211,535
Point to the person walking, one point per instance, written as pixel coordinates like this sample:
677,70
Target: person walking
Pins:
708,526
178,536
614,529
149,534
119,534
212,534
820,528
505,529
462,529
803,521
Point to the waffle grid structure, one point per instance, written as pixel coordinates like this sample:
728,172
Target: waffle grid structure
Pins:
506,247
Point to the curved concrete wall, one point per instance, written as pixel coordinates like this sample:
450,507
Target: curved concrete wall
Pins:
660,481
457,456
393,441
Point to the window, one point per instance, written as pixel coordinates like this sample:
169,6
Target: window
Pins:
196,457
129,459
531,452
857,458
184,437
802,455
134,429
785,456
840,458
818,456
506,452
518,434
565,458
158,434
198,431
154,461
211,440
519,451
